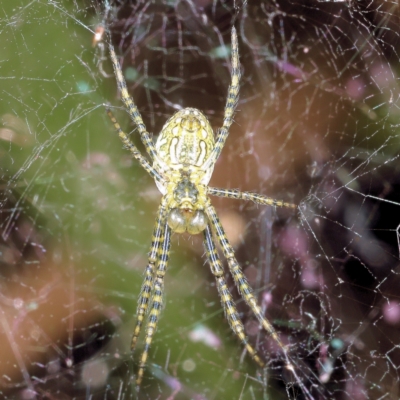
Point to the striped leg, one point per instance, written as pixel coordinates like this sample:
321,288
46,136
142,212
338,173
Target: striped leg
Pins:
134,150
255,197
240,280
131,107
226,298
233,95
156,299
247,294
148,283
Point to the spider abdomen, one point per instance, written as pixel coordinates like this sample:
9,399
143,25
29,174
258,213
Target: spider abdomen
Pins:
186,139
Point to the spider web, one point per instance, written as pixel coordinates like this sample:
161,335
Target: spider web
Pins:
316,124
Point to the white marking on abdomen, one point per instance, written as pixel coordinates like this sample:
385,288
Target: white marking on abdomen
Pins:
172,150
202,155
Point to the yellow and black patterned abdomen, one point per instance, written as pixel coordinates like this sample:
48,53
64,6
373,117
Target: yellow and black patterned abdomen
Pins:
186,139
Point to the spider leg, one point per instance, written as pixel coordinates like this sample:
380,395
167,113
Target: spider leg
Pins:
243,286
233,95
226,298
130,105
156,298
148,283
134,150
246,292
255,197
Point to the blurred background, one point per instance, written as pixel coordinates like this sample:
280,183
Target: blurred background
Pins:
316,125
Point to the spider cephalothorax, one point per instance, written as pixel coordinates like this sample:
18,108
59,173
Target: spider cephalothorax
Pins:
187,205
182,161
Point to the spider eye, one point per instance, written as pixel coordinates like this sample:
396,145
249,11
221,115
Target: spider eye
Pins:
197,223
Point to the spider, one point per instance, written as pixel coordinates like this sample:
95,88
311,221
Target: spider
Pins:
182,162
